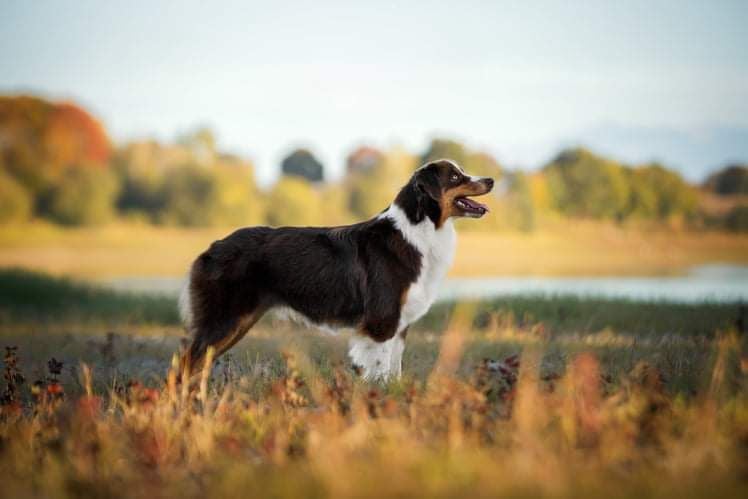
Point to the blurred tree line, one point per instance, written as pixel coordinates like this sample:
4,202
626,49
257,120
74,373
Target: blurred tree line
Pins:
58,163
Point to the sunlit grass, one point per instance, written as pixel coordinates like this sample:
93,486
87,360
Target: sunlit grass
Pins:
610,398
283,417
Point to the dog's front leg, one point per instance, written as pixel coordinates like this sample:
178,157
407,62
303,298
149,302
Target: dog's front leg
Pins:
396,353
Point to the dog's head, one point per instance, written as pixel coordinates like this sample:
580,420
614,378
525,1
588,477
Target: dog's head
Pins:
444,186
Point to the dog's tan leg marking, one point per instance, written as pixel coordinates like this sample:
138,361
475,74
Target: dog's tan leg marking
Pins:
194,357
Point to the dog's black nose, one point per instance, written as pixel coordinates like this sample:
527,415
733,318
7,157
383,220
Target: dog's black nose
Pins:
489,182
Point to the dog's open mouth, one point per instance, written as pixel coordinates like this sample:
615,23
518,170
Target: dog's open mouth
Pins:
471,207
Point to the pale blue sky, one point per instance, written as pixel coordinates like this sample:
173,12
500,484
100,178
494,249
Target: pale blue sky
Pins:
638,80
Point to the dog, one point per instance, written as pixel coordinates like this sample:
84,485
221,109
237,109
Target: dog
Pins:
375,277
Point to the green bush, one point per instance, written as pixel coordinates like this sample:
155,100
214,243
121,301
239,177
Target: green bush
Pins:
15,201
82,196
586,185
737,219
293,201
200,196
731,180
667,194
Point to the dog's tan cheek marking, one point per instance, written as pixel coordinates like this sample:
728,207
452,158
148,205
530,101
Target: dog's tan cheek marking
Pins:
448,198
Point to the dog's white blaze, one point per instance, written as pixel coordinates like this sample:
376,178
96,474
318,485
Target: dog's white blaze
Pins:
378,361
437,248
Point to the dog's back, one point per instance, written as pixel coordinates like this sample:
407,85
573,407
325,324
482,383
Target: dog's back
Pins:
376,276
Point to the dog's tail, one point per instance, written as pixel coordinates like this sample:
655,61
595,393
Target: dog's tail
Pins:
185,303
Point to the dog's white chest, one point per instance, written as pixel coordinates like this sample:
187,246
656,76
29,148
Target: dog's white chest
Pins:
437,248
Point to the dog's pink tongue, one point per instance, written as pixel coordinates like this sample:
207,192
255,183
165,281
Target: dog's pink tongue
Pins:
475,204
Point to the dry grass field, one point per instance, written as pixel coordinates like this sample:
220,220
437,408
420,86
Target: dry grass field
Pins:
580,248
588,398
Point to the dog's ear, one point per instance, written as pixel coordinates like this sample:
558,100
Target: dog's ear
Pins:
427,181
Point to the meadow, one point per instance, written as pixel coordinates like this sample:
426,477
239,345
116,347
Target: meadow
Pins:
530,396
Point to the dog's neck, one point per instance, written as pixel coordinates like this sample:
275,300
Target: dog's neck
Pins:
430,241
417,205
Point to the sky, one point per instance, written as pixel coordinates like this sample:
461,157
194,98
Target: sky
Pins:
637,80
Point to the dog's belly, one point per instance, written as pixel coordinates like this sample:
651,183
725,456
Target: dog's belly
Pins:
289,314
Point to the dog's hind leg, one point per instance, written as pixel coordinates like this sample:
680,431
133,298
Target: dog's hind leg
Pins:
220,336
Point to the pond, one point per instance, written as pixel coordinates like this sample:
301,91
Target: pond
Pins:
714,282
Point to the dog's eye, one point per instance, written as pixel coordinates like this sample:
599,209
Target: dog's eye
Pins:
454,177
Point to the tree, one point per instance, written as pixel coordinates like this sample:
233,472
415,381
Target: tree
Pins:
294,201
643,201
42,140
302,163
483,164
201,143
220,195
82,196
737,219
373,190
74,138
363,159
474,163
525,209
586,185
23,121
661,193
731,180
15,201
445,149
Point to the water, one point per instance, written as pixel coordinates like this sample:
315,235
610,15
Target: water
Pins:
715,282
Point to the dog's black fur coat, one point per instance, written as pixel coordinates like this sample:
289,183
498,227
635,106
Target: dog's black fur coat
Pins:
353,276
350,276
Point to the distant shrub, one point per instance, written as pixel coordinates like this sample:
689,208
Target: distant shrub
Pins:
731,180
82,196
656,192
584,184
200,196
302,163
15,201
737,219
372,190
293,201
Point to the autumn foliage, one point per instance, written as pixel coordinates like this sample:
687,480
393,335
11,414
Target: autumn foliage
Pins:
58,163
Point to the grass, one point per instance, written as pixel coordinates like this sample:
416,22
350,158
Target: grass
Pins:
32,297
611,397
28,297
571,248
298,424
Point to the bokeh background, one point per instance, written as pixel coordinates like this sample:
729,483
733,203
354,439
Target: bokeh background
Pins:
133,135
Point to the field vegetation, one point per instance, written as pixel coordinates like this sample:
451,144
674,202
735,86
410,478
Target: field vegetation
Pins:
526,396
58,164
523,396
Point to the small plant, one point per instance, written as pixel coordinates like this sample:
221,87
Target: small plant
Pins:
9,400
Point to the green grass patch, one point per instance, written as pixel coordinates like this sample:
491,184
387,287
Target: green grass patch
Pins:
567,313
28,297
31,297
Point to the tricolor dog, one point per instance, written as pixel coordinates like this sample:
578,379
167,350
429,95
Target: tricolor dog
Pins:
375,277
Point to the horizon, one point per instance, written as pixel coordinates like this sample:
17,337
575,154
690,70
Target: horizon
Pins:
635,83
